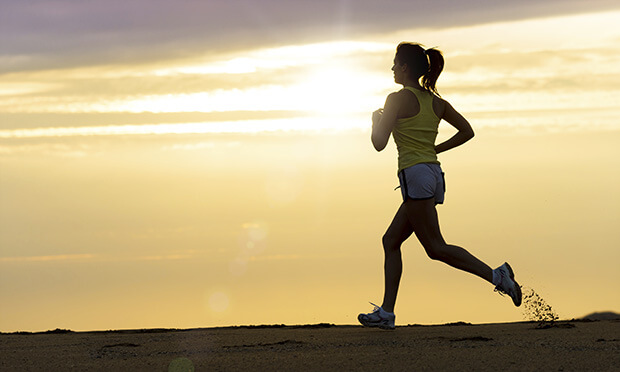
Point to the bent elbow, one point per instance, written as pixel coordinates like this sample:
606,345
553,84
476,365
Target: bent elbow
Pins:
377,143
470,134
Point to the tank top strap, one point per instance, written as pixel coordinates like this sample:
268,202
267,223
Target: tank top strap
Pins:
424,98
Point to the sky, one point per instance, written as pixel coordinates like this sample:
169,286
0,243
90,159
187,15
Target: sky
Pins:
207,163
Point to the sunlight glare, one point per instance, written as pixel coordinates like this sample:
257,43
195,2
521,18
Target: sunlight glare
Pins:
336,84
339,90
328,89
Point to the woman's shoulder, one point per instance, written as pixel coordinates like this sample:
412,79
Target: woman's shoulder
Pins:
399,93
398,98
403,96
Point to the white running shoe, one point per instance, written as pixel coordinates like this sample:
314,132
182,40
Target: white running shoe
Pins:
507,283
378,318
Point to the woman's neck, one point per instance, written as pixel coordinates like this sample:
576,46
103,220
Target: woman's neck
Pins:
412,83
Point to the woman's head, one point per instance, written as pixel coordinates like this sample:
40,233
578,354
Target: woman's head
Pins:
420,63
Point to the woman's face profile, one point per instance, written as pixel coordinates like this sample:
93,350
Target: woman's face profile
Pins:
398,71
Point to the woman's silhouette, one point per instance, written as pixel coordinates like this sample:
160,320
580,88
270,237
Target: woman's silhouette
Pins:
412,116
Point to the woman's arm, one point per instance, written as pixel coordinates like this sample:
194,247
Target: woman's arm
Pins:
465,131
383,122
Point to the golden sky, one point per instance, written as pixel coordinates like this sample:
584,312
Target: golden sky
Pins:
221,178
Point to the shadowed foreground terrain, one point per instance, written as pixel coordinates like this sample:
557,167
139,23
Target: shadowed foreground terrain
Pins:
568,346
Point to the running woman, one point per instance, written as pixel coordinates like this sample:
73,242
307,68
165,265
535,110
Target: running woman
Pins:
412,116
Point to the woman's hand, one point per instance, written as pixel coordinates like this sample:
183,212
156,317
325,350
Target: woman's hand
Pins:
383,121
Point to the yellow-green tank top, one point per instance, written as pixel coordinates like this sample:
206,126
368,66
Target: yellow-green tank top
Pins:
415,136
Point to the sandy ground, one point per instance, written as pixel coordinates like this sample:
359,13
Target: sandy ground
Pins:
568,346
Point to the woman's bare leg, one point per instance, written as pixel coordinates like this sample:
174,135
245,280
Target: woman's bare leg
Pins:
423,218
400,229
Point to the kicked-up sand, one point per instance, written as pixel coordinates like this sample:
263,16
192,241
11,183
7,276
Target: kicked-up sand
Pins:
524,346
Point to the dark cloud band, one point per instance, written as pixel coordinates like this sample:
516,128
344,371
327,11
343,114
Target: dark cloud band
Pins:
65,33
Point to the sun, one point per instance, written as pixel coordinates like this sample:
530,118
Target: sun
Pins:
337,90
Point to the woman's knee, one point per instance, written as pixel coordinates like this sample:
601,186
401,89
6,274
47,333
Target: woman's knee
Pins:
391,243
435,251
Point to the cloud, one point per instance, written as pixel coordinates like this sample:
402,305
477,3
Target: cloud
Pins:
41,34
86,119
96,258
527,70
275,257
55,258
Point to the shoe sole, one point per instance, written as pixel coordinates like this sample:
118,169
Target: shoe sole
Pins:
516,301
374,325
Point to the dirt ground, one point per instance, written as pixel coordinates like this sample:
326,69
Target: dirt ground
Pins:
566,346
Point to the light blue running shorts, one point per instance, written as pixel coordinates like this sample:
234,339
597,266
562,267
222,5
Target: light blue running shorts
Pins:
423,181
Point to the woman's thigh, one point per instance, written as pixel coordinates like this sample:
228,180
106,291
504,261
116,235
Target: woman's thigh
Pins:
422,216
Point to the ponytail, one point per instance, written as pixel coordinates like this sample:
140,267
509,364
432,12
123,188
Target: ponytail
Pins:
436,62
